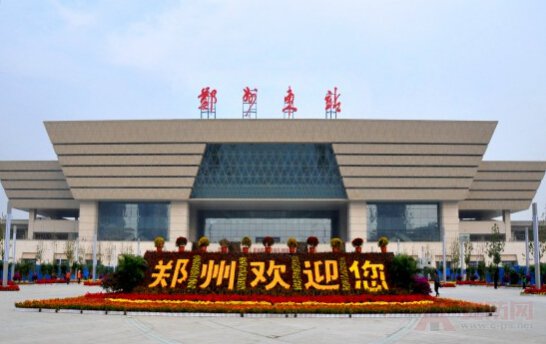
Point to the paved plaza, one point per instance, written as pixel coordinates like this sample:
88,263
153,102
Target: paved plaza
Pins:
520,319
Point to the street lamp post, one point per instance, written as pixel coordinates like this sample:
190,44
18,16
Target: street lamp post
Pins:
6,247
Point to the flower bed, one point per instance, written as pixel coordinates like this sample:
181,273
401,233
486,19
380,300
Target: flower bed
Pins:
221,303
10,287
447,284
92,283
534,291
50,281
471,283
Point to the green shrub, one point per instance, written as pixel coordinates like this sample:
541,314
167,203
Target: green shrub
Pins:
129,274
481,270
401,272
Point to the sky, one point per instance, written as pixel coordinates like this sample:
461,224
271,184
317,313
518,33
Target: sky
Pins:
131,59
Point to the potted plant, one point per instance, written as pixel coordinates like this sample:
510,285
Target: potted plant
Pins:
292,244
246,242
159,242
382,243
181,243
336,244
268,242
312,243
203,243
357,244
224,243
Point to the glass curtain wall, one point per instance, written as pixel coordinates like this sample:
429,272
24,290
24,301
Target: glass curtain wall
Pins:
268,171
404,221
129,221
233,225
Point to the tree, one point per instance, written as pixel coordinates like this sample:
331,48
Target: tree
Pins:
69,250
455,253
495,247
541,249
468,248
39,252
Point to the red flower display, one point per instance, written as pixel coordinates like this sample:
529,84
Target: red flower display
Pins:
356,304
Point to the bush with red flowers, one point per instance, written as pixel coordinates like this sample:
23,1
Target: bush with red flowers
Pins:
357,242
268,241
312,241
421,285
181,241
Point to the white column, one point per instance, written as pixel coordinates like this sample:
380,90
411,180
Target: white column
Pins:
31,221
506,217
179,221
358,221
14,255
88,220
450,221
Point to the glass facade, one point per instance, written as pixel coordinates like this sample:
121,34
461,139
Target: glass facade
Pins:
268,171
404,221
233,225
128,221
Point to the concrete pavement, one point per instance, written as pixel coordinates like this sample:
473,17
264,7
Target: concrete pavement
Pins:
519,319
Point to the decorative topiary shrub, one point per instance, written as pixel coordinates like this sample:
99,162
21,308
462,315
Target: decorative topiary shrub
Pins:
246,241
129,274
357,242
203,241
268,241
224,242
312,241
159,241
336,243
181,241
292,242
383,241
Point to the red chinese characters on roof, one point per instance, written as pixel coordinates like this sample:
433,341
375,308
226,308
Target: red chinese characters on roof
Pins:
333,105
250,97
289,107
207,102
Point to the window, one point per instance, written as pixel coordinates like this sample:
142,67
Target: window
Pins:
485,237
128,221
55,236
268,171
404,221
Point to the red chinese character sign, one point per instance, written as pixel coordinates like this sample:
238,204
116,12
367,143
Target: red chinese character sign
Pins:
207,103
333,105
289,107
250,105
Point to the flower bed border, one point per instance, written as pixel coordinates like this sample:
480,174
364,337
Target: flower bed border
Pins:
9,287
192,303
480,283
534,291
448,284
92,283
